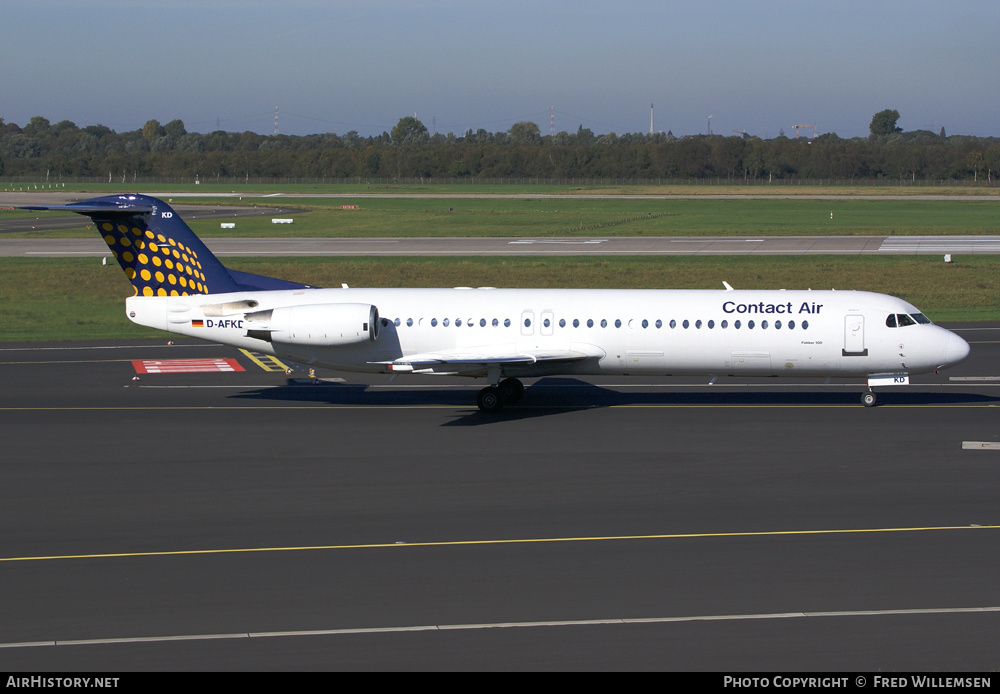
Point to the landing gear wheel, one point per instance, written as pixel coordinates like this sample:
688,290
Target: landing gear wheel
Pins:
511,390
868,399
489,400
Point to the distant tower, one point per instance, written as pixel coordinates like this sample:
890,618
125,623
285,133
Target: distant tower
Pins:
552,120
651,119
275,120
710,125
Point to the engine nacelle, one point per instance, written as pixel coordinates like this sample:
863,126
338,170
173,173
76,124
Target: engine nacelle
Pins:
321,325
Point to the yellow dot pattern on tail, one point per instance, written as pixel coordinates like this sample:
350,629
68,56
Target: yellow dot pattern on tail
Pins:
156,265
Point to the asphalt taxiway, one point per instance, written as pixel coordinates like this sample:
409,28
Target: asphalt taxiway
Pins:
254,520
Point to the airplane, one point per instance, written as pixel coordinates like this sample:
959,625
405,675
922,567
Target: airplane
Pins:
504,335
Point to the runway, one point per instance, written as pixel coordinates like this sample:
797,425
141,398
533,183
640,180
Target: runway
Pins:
249,520
761,245
74,221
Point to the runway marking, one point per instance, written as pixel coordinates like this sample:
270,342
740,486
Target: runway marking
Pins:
85,348
563,243
507,625
981,445
64,361
175,366
522,541
267,362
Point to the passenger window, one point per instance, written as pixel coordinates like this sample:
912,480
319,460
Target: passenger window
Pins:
736,325
527,322
482,322
711,324
750,324
673,323
777,325
645,323
763,325
659,324
697,324
495,323
576,322
725,324
409,322
458,322
396,322
434,322
590,322
618,323
791,325
805,325
562,322
445,322
604,322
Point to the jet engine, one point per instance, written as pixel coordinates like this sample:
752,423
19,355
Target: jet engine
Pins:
320,325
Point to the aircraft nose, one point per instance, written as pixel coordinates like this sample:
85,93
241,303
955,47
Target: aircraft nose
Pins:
956,350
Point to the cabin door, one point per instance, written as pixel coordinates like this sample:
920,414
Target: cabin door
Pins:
854,336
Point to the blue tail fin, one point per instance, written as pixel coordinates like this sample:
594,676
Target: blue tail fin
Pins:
159,253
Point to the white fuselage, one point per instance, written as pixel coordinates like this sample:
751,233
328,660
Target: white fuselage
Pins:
676,331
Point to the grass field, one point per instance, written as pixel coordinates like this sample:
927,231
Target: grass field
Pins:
63,299
707,187
548,217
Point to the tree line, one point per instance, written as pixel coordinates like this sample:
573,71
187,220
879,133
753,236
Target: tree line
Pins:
42,149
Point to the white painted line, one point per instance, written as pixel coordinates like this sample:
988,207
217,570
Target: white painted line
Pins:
504,625
564,243
76,349
981,445
974,378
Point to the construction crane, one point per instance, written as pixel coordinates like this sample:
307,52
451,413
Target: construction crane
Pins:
815,131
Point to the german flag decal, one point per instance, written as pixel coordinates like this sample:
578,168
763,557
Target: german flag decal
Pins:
198,323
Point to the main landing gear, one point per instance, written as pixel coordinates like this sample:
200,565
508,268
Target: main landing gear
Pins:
493,398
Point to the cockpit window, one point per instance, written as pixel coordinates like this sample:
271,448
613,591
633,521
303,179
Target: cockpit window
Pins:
921,318
903,320
890,321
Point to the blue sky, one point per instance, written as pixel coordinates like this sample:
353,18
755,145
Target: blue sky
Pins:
333,66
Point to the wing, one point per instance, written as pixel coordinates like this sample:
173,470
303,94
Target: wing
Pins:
479,359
